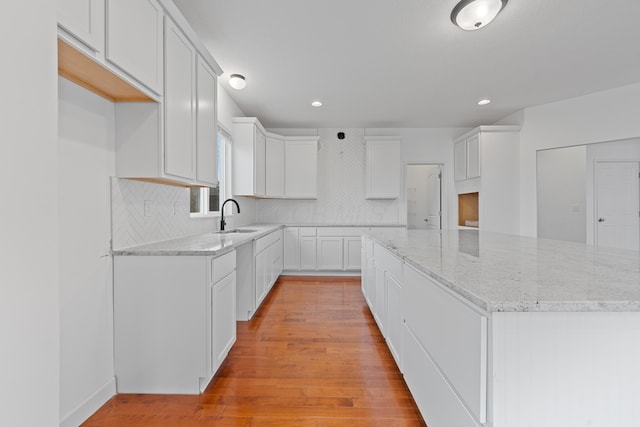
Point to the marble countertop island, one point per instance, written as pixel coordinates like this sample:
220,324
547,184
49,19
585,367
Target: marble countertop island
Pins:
202,244
499,272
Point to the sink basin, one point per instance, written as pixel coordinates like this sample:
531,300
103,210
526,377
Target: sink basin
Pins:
236,230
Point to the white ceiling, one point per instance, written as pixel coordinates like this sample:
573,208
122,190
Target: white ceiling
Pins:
402,63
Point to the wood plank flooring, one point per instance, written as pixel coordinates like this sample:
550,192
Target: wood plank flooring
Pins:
311,356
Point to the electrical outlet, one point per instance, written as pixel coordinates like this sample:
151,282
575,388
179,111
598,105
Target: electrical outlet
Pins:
176,208
148,207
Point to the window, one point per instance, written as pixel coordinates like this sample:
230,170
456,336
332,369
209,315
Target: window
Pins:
205,201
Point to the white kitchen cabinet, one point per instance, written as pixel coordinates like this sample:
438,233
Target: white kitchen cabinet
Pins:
274,168
382,165
301,168
395,317
174,321
380,301
291,253
206,121
330,255
486,162
308,251
267,264
352,254
467,158
134,40
248,158
263,272
179,104
84,19
368,273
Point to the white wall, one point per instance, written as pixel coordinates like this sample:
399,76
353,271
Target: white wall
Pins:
29,306
562,194
86,158
604,116
341,178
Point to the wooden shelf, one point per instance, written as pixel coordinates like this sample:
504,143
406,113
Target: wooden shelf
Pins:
82,70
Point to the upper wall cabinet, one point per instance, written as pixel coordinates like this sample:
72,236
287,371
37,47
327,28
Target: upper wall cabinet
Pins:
134,40
467,158
179,104
273,166
382,167
249,152
206,132
84,19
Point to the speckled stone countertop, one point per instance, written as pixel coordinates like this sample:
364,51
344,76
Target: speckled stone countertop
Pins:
499,272
202,244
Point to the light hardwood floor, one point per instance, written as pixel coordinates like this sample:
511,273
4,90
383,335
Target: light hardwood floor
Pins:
311,356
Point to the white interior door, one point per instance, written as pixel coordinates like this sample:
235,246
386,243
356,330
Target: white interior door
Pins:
423,196
618,205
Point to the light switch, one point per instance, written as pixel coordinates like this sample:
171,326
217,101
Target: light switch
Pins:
148,207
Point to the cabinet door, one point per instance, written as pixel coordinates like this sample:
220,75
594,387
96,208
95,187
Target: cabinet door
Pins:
291,249
85,20
330,253
274,167
301,169
460,160
206,135
134,40
383,169
394,318
380,307
352,253
473,156
260,163
179,155
262,274
223,318
308,253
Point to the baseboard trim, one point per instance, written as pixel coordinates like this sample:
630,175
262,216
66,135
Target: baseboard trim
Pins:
321,274
90,406
324,278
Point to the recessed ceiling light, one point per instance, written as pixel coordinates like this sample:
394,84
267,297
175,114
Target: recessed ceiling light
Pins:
316,104
484,102
475,14
237,81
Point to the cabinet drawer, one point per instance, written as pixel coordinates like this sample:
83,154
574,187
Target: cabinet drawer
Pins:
388,261
264,242
454,335
223,266
307,232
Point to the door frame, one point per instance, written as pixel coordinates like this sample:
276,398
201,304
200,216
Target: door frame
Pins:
595,192
444,217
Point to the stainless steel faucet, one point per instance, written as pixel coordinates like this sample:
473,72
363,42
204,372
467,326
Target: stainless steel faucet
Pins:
222,221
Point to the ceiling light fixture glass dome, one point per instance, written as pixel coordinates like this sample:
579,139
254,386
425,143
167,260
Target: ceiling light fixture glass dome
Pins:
475,14
237,81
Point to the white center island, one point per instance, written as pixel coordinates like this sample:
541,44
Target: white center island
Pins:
507,331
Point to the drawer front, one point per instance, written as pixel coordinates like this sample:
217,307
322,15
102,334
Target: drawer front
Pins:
454,335
388,261
264,242
222,266
307,232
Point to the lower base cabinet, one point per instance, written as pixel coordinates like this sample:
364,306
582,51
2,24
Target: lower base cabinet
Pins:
174,321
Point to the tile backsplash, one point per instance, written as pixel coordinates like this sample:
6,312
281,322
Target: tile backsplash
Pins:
143,212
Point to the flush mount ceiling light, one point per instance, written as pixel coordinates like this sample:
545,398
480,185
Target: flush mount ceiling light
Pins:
484,101
237,81
316,104
475,14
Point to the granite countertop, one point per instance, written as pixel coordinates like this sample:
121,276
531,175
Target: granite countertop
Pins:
202,244
347,225
500,272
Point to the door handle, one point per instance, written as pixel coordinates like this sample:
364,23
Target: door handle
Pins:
600,219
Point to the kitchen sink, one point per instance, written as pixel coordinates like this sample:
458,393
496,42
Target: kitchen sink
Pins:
236,230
